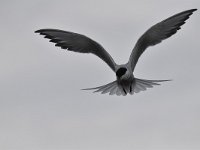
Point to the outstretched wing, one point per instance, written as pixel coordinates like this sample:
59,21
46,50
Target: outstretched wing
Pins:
77,43
157,33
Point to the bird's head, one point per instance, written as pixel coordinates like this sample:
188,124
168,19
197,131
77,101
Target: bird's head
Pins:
121,73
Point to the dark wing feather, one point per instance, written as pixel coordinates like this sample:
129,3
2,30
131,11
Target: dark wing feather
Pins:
157,33
77,43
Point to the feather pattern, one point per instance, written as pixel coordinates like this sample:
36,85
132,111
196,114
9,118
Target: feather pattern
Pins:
137,86
77,43
157,33
126,83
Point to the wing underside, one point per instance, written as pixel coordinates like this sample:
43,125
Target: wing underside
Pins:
77,43
157,33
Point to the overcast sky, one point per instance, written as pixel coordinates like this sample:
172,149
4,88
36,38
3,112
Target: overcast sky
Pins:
42,106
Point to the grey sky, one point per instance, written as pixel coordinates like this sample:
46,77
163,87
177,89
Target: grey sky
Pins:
42,106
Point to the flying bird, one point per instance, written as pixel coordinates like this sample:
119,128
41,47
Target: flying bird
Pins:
125,82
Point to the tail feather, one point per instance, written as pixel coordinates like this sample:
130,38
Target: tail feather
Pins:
110,87
113,90
118,92
107,88
137,86
143,84
147,84
99,87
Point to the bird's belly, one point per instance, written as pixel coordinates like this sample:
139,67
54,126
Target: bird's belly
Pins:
126,83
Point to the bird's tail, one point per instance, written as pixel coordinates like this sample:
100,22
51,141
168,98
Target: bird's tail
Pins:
143,84
111,88
137,86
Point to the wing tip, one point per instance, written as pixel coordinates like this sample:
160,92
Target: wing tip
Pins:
43,30
38,31
190,10
195,9
88,89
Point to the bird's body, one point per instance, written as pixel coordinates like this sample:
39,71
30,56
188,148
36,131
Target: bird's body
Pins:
125,78
125,81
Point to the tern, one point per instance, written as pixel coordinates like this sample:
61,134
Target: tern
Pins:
125,82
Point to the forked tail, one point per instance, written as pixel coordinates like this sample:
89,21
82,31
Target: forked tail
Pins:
137,86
